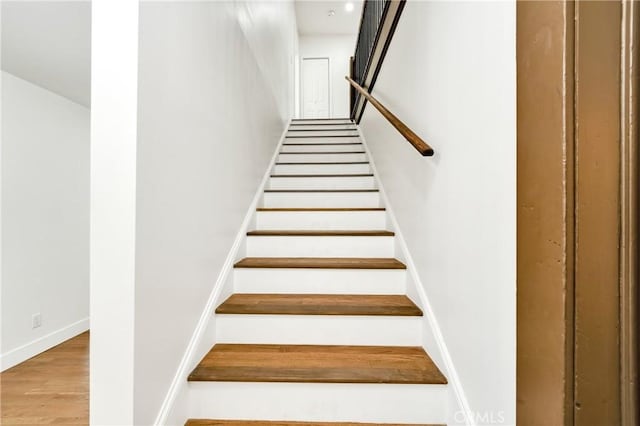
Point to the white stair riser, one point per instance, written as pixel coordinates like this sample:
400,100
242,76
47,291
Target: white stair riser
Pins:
322,126
320,169
323,148
339,402
302,158
321,199
330,133
324,135
317,121
330,220
321,139
319,330
287,246
325,182
319,281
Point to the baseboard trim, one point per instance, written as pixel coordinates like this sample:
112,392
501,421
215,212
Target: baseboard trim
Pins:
452,374
41,344
179,382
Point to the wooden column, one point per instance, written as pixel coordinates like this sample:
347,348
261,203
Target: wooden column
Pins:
545,171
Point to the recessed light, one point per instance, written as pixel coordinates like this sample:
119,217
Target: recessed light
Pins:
331,12
348,6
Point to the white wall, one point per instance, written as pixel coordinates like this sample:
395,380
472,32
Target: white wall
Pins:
215,89
338,48
450,75
114,93
49,44
45,219
272,38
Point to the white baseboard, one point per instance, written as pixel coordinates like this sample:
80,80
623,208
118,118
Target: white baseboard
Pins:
429,316
41,344
178,388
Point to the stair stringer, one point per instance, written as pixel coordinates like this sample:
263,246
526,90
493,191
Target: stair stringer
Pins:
433,340
175,406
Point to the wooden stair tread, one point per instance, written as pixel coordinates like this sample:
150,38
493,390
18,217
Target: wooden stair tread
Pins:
324,175
320,209
295,125
325,162
353,131
321,190
322,152
323,136
323,119
319,304
322,130
319,233
322,143
321,263
212,422
317,364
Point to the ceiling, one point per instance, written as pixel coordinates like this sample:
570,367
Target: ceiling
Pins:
313,17
49,44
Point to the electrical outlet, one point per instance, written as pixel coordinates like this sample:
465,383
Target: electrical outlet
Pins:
36,320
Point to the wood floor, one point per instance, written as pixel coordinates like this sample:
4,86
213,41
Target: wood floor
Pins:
51,388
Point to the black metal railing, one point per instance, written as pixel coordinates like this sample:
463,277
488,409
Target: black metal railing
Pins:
377,24
373,12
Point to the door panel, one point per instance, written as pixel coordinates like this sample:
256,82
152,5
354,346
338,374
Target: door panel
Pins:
315,88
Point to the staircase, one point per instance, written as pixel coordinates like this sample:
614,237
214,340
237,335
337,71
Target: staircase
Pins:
319,329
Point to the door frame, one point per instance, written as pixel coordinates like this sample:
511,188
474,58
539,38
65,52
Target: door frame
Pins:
629,231
563,226
302,59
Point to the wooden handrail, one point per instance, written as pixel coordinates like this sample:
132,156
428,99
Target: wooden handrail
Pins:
415,140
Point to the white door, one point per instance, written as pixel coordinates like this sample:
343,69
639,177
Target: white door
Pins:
315,88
